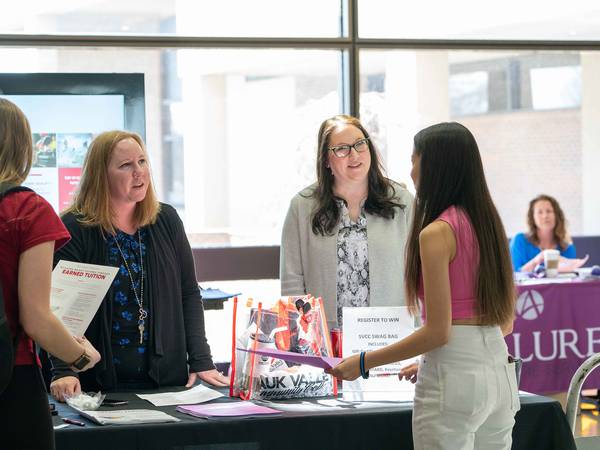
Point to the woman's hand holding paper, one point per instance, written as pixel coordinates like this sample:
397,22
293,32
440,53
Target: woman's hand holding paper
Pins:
348,369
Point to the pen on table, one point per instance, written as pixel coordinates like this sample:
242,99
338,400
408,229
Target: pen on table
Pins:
384,374
73,421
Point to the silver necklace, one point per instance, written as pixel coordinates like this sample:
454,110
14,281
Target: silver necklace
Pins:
140,299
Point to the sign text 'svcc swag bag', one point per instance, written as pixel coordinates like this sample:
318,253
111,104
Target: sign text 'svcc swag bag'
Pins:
296,324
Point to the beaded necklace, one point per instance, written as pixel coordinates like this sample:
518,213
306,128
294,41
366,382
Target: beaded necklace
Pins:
140,299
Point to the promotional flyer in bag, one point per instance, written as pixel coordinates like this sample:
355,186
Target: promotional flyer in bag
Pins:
295,324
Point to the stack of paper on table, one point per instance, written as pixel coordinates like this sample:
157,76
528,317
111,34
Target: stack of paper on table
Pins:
197,394
129,416
229,409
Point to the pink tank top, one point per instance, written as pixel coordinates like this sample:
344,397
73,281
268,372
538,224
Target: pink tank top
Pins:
463,268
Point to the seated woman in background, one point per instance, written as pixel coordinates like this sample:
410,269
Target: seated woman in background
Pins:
343,237
547,230
150,325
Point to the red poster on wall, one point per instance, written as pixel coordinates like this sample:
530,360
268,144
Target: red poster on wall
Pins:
68,181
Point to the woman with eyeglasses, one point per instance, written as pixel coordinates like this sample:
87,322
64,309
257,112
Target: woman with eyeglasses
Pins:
343,237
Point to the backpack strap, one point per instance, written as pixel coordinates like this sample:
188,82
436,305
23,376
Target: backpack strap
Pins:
9,188
5,189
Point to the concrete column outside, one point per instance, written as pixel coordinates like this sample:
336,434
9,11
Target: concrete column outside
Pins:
203,114
416,95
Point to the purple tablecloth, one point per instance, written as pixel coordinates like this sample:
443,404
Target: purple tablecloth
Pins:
557,327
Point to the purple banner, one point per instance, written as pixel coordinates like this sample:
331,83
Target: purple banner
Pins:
557,328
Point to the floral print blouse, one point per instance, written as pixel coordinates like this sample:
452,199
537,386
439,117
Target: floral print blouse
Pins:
352,261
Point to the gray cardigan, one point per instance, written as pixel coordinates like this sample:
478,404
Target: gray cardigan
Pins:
308,262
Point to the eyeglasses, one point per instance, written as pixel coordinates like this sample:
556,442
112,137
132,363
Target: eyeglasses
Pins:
341,151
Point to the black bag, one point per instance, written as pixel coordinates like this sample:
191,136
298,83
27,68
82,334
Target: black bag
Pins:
8,344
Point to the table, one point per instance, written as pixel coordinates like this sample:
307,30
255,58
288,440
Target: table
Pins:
557,327
540,424
214,298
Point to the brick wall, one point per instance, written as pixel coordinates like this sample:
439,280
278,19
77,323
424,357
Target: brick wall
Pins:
529,153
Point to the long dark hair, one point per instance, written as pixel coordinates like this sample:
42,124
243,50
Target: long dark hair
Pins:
561,236
451,174
381,193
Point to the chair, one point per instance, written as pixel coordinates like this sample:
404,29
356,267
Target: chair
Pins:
588,245
573,395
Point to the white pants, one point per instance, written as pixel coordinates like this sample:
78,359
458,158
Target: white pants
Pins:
466,395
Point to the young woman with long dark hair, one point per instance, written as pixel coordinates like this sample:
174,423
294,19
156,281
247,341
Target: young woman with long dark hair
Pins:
458,269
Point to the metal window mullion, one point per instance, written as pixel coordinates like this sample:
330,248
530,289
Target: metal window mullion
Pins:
343,42
353,59
473,44
157,41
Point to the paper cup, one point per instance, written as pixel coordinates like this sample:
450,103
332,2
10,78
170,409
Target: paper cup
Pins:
551,258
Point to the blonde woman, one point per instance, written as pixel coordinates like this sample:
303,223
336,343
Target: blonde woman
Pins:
30,232
150,326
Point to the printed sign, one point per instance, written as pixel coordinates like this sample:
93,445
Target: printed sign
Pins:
367,329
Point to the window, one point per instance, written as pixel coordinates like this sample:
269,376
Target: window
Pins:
232,18
556,87
469,93
247,121
475,20
231,133
529,123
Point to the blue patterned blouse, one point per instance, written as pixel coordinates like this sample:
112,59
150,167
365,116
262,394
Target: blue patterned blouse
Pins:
129,356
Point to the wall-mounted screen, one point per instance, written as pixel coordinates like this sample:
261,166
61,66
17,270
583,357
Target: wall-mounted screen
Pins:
66,111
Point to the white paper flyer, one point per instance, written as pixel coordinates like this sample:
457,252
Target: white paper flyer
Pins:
77,291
